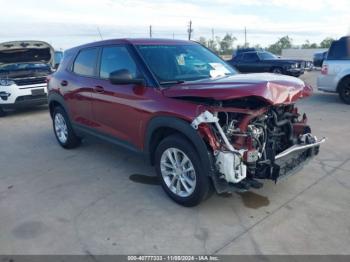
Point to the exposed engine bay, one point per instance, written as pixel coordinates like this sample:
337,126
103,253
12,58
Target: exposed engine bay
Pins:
261,143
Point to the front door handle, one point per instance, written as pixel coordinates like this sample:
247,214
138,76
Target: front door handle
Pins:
99,89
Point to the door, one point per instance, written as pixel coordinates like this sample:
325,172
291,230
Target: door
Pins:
79,84
115,107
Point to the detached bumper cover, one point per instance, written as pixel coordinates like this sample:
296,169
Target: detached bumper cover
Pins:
292,160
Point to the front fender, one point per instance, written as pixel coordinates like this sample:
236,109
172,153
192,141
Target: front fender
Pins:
186,130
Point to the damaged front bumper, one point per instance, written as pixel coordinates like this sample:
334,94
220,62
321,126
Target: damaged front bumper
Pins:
232,165
293,159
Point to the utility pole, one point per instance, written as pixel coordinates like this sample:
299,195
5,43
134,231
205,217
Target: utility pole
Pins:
99,32
212,34
245,36
173,35
190,30
150,31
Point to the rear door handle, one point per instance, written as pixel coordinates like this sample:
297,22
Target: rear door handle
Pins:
64,83
99,89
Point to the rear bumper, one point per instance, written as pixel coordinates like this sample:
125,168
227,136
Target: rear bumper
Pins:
293,159
327,83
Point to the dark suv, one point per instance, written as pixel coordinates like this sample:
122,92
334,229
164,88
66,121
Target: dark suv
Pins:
199,122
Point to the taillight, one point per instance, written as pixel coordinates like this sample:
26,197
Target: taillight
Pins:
324,70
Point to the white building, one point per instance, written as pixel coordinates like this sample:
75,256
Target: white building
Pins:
305,54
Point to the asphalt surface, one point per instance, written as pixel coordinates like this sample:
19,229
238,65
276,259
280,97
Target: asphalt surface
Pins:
100,199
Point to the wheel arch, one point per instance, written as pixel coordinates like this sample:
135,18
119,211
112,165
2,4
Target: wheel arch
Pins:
56,100
163,126
341,79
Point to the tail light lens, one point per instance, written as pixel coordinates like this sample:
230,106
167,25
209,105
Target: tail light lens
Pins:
324,70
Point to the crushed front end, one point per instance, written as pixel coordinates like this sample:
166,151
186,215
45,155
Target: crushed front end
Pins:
247,145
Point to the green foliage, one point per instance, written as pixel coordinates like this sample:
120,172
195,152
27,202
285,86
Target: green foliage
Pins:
282,43
307,45
226,44
326,43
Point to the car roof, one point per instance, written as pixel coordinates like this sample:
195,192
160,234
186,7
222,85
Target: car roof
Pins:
137,41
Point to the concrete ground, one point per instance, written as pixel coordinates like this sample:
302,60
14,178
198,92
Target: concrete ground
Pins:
99,199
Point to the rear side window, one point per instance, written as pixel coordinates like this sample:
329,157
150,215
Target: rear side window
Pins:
85,62
339,50
116,58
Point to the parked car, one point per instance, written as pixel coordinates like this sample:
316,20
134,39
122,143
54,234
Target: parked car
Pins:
24,66
262,61
335,73
319,58
199,125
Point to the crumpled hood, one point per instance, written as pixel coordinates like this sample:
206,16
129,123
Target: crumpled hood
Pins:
271,88
16,52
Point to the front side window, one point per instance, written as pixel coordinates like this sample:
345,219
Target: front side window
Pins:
116,58
85,62
188,62
267,56
250,57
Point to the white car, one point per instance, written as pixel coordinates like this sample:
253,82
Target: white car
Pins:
335,73
24,67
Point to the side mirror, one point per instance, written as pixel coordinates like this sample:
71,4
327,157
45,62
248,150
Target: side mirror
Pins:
56,66
124,77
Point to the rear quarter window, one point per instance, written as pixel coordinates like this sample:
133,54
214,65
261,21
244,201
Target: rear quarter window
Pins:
85,62
339,50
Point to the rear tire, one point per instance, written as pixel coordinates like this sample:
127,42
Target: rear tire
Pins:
344,90
180,171
63,129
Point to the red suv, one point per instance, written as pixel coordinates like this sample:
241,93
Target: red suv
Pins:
194,117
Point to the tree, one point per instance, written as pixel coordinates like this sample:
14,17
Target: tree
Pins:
282,43
213,45
308,45
326,43
203,41
226,44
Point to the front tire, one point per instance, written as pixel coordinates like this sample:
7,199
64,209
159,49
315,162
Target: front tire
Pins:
344,91
180,171
277,70
63,129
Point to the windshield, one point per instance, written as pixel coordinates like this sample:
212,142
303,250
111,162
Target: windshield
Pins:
267,56
177,63
23,66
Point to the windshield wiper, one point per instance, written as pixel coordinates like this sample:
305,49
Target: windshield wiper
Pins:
171,82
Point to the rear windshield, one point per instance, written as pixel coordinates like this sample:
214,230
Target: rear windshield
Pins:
339,50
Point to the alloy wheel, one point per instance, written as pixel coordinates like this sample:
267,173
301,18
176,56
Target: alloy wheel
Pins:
178,172
61,128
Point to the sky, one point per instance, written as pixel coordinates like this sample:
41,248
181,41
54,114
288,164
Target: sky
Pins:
67,23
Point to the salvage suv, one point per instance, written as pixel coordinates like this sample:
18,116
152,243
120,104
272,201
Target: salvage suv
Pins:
24,67
335,73
196,119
